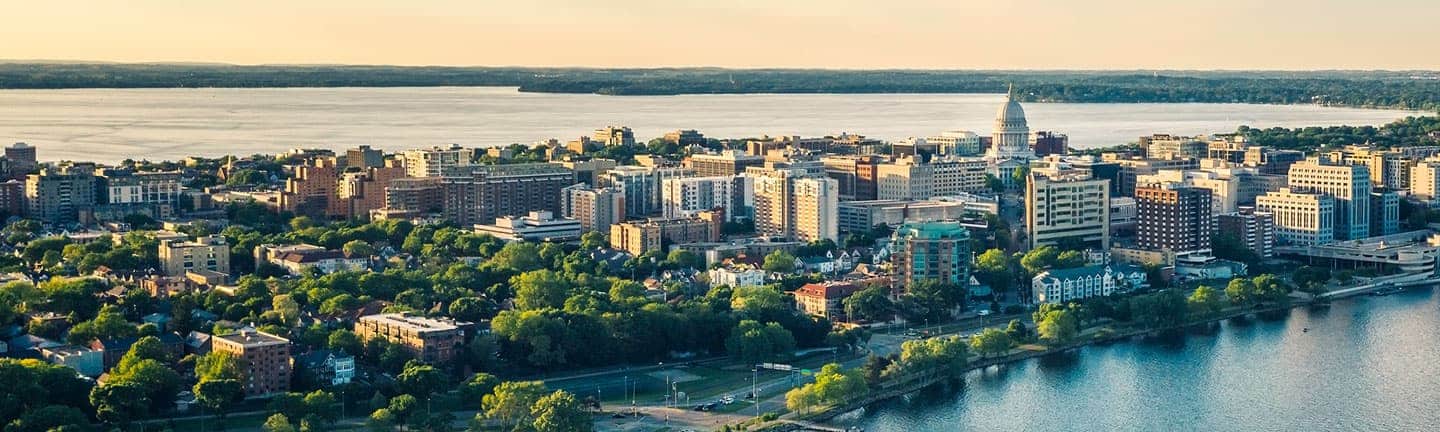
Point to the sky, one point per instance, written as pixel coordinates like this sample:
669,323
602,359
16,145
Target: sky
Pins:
850,34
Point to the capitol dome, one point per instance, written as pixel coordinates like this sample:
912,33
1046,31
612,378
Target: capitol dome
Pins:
1010,114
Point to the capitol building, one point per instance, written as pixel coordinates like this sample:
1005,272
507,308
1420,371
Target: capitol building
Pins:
1010,141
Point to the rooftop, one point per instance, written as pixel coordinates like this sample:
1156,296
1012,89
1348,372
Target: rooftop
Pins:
412,322
249,338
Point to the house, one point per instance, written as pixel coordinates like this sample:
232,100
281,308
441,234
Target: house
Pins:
825,299
327,368
816,264
299,259
197,343
160,320
165,286
737,275
1063,285
86,361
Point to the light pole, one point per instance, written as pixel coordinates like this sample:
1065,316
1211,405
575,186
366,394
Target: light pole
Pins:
754,373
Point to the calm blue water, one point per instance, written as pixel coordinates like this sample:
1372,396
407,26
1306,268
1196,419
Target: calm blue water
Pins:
1367,364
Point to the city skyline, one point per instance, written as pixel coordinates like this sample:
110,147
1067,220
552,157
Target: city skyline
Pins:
1032,34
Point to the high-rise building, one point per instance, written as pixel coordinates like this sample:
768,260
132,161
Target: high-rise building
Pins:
264,360
683,197
725,163
1348,184
588,170
22,159
615,136
482,193
413,196
1067,208
904,179
1130,170
596,209
310,190
118,186
1384,212
1174,218
358,192
1046,143
1301,218
60,195
364,157
209,253
1425,179
434,161
1254,229
937,251
1224,191
1272,161
794,204
855,174
641,186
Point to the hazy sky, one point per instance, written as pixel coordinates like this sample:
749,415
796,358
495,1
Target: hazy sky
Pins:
995,34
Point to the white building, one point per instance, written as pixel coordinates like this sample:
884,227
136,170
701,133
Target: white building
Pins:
684,197
1067,206
595,209
1301,218
1425,179
537,226
956,143
641,186
1224,190
738,276
1348,184
301,258
794,204
434,161
1064,285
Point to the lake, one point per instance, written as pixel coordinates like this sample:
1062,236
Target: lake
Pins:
1366,364
108,125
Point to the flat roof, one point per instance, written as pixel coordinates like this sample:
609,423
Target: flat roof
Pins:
416,323
253,338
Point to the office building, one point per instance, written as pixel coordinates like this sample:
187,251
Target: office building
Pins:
854,174
22,158
264,360
1224,190
588,170
430,340
1425,179
684,137
956,143
1045,143
1068,208
595,209
1175,218
205,253
913,147
1301,218
1384,213
1130,169
937,251
1165,146
1254,229
861,216
537,226
725,163
1348,184
904,179
615,136
118,186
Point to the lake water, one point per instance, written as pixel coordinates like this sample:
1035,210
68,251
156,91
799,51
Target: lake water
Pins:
112,124
1367,364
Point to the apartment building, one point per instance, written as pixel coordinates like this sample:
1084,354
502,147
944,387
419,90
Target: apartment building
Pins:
430,340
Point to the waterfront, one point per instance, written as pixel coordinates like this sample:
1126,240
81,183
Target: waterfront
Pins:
107,125
1366,364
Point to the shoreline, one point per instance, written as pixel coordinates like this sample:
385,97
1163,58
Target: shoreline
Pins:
810,421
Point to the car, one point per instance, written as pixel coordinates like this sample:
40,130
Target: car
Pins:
728,399
984,312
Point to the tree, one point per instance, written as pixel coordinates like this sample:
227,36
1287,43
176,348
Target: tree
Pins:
218,394
870,304
1271,288
1204,301
1039,259
560,412
779,262
158,380
993,267
833,386
145,348
473,391
511,401
110,323
290,404
381,420
1069,259
119,404
1242,291
1307,276
1058,326
753,342
420,380
937,298
1017,331
592,240
358,248
471,309
759,302
345,341
50,418
991,341
945,356
320,403
288,309
403,407
540,289
680,258
277,423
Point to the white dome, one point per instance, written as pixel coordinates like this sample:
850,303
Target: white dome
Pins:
1011,112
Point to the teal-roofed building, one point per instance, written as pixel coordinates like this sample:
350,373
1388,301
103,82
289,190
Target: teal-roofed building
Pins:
931,250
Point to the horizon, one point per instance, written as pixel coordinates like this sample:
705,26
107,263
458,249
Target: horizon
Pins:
1225,35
